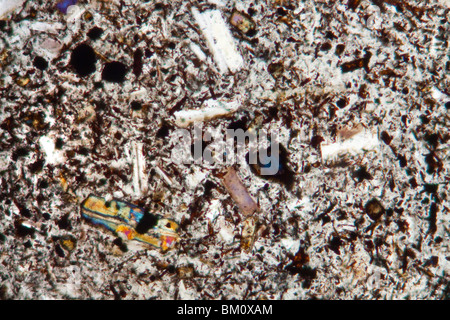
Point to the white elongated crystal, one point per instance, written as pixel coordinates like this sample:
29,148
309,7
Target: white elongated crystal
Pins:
219,40
350,142
213,109
140,177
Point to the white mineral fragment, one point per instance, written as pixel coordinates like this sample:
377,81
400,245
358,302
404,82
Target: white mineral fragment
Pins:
140,183
350,142
213,109
53,156
219,40
7,6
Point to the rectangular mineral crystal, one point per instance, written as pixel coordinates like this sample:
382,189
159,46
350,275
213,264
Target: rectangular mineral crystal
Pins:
219,40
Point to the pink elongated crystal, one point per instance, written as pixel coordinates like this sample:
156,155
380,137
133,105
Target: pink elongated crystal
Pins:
239,192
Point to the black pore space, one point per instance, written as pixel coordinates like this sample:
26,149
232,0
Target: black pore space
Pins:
432,140
40,63
163,131
25,212
19,152
341,103
209,186
239,124
136,106
95,33
147,222
402,161
386,137
316,141
122,246
137,62
432,218
64,223
430,188
37,166
23,231
59,143
83,60
59,251
335,244
114,72
361,174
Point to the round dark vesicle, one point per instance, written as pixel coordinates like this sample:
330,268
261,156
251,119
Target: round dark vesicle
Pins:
136,106
374,209
114,72
83,60
325,46
341,103
95,33
40,63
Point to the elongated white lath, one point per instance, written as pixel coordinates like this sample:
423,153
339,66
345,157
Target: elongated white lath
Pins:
219,39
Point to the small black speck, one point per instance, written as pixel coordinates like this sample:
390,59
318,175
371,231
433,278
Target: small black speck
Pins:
25,212
64,223
148,53
28,244
447,105
430,188
20,152
251,33
37,166
23,231
43,184
59,143
98,85
402,160
40,63
122,246
147,222
339,49
341,103
136,106
281,11
171,269
325,46
83,151
114,71
46,216
59,251
95,33
335,244
361,174
163,131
